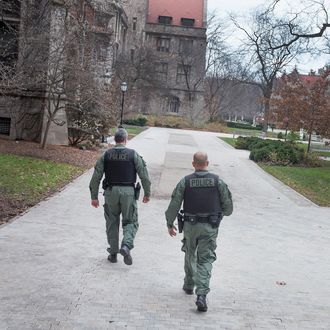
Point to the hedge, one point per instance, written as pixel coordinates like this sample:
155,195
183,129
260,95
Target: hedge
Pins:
271,151
244,126
139,121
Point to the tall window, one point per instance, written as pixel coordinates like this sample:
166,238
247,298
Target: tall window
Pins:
174,104
5,126
101,20
186,46
132,55
183,73
187,21
163,44
161,70
101,50
134,23
8,43
11,8
165,20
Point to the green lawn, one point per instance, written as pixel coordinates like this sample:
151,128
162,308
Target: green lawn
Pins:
248,132
303,146
313,183
319,153
230,141
131,130
322,153
134,130
28,179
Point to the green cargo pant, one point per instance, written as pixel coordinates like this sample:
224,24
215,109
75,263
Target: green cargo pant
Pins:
199,244
120,200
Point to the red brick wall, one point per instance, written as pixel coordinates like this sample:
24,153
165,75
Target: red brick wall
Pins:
177,9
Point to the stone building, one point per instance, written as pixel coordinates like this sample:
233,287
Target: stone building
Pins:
20,104
35,47
174,33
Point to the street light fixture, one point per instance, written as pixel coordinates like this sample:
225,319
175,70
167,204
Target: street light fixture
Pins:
123,87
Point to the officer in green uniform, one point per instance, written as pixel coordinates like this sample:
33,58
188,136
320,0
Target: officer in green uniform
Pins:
206,199
120,165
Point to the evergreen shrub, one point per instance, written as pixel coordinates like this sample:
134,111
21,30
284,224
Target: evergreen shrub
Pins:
138,121
233,124
271,151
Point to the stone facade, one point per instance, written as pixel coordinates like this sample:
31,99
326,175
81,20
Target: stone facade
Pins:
36,29
175,35
171,36
22,99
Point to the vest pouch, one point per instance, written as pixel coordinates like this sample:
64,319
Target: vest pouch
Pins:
214,220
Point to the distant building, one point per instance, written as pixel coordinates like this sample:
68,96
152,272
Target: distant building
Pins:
175,34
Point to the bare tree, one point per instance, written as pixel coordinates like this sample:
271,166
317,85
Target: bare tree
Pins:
209,79
89,59
142,74
264,64
309,22
226,94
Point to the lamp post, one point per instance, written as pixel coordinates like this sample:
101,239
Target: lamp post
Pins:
123,87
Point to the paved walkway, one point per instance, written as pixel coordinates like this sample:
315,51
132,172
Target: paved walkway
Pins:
55,275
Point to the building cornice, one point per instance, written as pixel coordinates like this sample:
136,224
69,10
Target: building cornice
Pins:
175,30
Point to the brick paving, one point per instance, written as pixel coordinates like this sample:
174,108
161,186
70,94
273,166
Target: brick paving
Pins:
55,275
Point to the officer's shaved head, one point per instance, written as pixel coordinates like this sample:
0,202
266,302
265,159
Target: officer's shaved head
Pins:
200,159
121,136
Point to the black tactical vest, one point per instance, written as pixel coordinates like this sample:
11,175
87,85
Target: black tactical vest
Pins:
119,167
201,195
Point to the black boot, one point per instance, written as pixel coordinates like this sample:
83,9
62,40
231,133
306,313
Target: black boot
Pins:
201,303
112,258
124,251
188,291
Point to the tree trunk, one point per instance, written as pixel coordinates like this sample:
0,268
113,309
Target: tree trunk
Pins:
44,139
286,133
309,142
266,111
310,132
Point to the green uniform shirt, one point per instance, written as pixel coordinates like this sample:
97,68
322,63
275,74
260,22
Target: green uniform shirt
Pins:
140,166
178,195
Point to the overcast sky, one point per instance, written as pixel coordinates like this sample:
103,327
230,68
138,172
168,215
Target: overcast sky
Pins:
224,7
237,6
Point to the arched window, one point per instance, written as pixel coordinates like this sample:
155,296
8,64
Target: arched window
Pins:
170,103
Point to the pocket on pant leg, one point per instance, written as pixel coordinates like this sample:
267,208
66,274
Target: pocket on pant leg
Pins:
106,210
131,216
133,212
213,247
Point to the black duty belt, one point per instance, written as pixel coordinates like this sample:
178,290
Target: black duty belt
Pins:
195,218
122,184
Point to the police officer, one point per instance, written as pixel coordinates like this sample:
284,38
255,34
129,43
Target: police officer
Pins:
120,166
206,198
